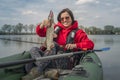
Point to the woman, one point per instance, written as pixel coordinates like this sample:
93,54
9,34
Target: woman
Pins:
63,35
66,24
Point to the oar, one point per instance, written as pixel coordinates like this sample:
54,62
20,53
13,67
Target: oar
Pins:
13,63
20,41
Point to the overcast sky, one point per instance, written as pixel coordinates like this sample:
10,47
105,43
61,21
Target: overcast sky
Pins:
88,12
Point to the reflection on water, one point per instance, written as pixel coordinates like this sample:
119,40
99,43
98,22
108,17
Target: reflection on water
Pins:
110,59
109,41
106,40
9,47
22,39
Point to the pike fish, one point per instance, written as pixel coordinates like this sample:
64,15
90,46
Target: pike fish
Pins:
50,31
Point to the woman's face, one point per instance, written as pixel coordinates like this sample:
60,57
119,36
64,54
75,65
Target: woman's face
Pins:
66,19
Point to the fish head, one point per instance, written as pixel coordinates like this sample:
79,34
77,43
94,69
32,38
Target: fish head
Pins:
51,16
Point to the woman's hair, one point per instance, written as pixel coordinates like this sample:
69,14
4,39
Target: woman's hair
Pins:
68,11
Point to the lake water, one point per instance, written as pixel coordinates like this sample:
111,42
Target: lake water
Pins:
110,59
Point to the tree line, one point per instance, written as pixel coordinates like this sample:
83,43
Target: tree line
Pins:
17,29
107,29
30,29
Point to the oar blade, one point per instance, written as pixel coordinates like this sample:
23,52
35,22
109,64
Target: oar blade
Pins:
105,49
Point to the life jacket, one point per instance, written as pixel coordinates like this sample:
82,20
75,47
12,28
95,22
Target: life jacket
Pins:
70,39
71,35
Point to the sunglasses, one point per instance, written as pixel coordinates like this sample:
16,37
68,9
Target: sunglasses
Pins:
67,18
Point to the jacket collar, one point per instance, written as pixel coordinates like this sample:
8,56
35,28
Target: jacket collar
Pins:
74,26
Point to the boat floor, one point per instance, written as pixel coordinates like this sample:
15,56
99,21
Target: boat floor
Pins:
61,73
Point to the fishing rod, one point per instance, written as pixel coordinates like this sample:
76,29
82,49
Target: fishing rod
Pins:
24,61
19,40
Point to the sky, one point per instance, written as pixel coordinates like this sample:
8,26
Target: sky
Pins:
87,12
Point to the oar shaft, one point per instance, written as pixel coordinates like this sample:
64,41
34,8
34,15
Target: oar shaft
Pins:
55,56
58,56
13,63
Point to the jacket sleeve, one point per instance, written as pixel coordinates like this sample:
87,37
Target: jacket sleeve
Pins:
82,41
41,32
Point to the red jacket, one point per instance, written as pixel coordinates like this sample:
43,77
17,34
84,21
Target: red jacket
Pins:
80,39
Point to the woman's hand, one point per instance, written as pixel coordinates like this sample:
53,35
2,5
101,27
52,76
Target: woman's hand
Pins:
70,46
54,35
45,23
45,45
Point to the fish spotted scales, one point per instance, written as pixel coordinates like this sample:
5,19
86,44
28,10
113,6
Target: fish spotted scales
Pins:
50,31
